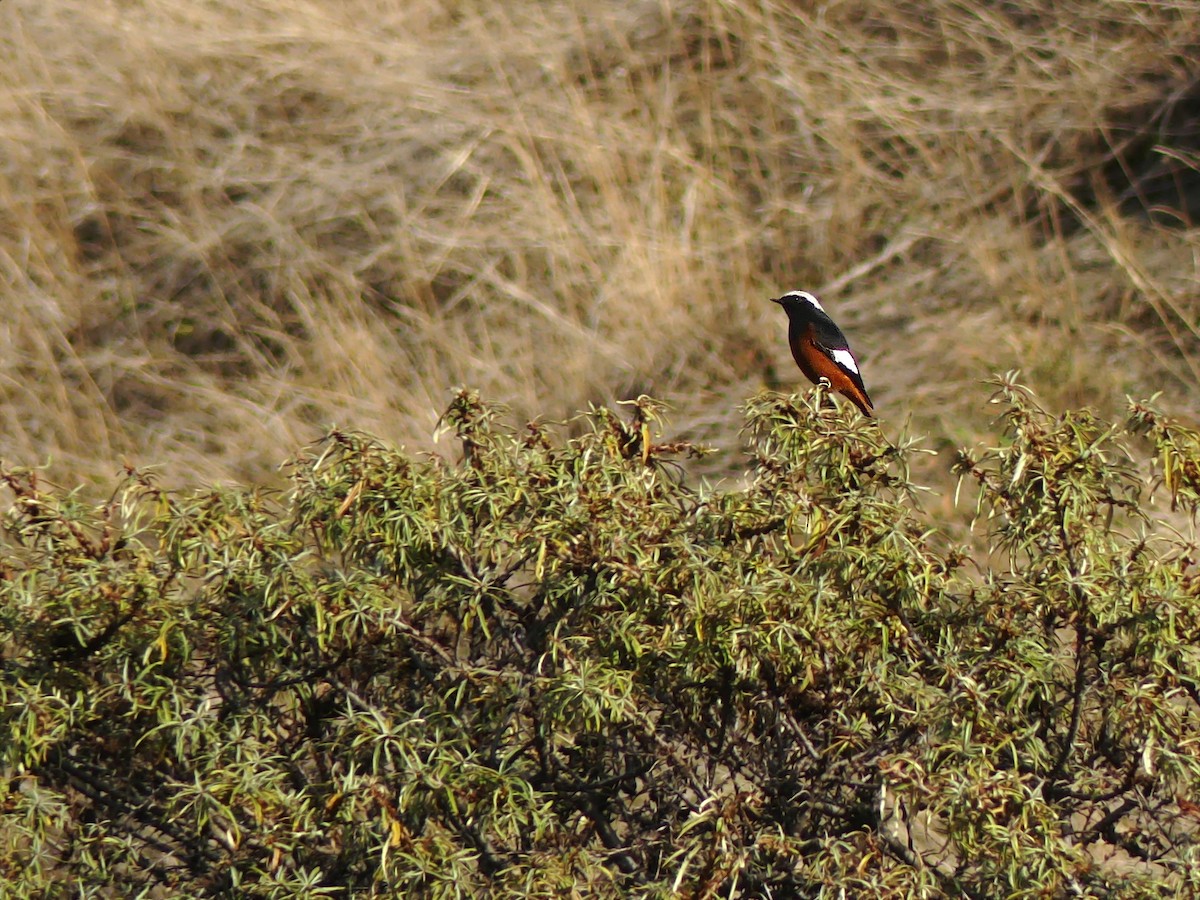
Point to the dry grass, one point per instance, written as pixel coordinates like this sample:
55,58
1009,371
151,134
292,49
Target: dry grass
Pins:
226,225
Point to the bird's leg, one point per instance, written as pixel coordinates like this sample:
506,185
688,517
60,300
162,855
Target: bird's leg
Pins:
826,390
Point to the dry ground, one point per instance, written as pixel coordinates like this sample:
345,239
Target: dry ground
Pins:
226,225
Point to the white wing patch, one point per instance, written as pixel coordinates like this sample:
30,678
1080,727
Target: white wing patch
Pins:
845,359
806,297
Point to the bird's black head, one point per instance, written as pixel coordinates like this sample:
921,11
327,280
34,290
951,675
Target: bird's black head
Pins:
799,304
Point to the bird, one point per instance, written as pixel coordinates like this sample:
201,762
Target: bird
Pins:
821,350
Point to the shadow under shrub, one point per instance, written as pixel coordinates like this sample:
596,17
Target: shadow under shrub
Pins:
556,666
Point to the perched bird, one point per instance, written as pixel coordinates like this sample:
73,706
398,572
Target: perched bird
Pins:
821,350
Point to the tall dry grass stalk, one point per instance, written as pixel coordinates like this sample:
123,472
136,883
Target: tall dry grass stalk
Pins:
225,225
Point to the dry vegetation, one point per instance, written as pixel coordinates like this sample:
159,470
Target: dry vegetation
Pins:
225,224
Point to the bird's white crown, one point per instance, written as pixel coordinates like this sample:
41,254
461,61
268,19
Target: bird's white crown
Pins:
804,297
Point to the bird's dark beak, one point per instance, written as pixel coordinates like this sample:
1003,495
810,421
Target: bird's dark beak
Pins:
778,300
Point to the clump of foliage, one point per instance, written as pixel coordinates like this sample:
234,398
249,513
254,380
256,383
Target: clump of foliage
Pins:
555,666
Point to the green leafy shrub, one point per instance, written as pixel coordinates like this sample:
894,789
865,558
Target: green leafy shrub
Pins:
555,666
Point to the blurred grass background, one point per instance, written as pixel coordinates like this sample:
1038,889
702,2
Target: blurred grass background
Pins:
224,226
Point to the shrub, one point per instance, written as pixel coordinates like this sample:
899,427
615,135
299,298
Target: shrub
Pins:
556,666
